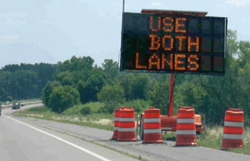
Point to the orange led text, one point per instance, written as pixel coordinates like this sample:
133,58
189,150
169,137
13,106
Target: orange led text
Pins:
156,42
168,24
173,62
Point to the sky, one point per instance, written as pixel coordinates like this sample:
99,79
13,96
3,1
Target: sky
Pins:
34,31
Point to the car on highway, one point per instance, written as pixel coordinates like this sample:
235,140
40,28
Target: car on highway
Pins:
16,105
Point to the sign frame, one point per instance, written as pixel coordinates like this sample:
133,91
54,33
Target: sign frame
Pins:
186,14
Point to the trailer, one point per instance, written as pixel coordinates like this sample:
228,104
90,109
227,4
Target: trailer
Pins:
168,122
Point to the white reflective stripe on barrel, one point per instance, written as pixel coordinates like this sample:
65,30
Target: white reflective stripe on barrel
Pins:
166,128
116,119
126,119
185,121
233,124
185,132
232,136
152,120
150,131
126,129
116,128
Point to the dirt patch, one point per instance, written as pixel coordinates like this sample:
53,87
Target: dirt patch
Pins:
35,115
104,122
56,118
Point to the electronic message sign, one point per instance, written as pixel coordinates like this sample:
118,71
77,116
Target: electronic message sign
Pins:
173,43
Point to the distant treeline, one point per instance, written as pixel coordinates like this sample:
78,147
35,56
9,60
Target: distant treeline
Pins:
24,81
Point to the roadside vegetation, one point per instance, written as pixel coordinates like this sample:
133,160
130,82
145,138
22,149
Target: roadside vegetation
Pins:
89,114
212,138
79,115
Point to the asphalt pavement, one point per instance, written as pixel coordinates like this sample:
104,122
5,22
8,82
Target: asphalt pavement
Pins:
21,140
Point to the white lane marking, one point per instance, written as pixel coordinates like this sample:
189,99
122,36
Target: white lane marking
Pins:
60,139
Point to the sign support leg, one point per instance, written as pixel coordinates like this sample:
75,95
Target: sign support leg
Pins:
171,95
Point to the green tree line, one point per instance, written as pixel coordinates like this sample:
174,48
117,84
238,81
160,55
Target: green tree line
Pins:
24,81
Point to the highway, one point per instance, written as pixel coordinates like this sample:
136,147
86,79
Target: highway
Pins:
23,141
34,139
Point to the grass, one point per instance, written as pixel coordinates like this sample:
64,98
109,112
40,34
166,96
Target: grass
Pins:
77,108
211,138
73,116
170,136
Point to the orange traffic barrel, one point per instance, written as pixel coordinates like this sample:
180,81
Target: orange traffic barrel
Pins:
185,130
152,126
233,129
126,131
116,124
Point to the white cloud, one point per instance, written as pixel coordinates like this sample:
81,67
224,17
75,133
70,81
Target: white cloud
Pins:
238,2
156,4
9,38
12,15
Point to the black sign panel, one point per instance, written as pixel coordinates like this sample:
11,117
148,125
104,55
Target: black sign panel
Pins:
173,44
